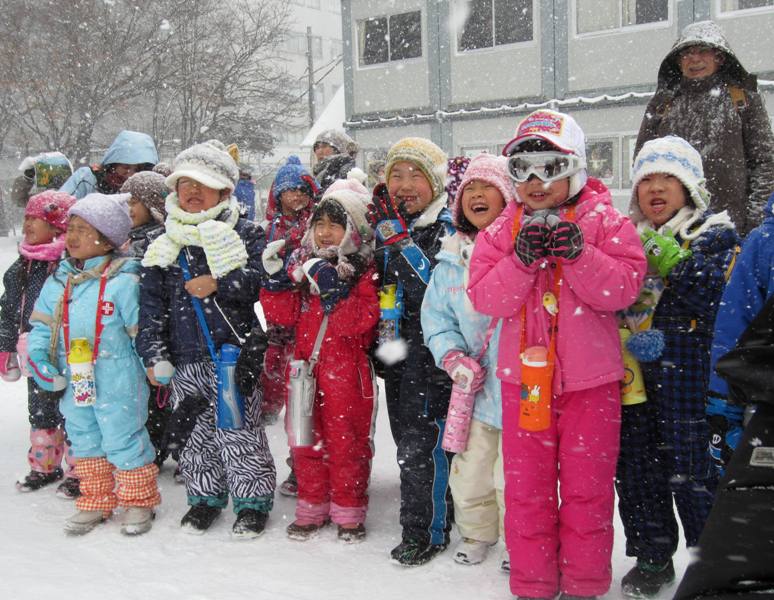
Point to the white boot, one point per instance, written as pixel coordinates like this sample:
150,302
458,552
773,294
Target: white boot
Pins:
136,520
83,521
471,552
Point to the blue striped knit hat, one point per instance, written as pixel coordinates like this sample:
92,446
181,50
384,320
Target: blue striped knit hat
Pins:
673,155
292,176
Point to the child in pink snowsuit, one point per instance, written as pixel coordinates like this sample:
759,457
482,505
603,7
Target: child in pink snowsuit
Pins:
558,264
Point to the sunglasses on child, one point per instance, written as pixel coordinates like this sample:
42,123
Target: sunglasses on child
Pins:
547,166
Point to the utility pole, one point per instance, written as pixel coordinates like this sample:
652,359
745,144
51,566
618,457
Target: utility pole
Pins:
310,78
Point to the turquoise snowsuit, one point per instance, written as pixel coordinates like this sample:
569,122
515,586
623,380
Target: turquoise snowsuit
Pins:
113,427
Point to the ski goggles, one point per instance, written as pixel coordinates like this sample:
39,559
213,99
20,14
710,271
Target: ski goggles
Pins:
547,166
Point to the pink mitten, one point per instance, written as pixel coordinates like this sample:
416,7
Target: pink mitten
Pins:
464,371
9,366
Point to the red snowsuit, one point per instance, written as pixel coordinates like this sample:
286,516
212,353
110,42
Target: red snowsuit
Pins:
333,474
275,361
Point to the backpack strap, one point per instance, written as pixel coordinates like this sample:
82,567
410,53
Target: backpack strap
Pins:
738,97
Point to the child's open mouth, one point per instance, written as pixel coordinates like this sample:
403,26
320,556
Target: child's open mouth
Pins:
479,207
657,205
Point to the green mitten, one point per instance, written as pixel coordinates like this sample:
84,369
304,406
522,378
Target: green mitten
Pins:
663,251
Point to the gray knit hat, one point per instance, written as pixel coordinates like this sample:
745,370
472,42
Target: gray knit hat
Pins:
338,140
108,214
149,189
208,163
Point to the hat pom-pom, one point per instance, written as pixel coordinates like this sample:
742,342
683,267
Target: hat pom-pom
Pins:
293,160
646,346
358,175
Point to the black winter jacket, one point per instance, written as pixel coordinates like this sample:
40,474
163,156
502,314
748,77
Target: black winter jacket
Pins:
169,328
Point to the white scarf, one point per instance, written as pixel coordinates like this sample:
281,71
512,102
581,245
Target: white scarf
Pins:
224,249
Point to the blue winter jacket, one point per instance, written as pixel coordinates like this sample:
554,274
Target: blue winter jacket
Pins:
449,322
245,194
750,285
169,328
114,426
129,147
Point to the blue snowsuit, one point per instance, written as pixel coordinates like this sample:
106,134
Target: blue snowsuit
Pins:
450,322
129,147
750,285
114,427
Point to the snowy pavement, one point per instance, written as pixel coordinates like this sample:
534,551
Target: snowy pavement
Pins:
37,560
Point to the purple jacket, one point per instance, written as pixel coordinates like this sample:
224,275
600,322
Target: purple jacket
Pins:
606,277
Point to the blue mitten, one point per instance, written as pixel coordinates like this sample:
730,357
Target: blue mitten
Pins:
324,280
725,423
46,375
646,346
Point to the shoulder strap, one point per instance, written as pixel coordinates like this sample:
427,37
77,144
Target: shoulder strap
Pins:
488,337
318,342
738,97
197,306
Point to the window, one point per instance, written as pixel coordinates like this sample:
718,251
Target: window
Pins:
295,43
732,5
397,37
601,15
602,160
489,23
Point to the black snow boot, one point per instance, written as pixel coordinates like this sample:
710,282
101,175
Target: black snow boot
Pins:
34,480
249,524
199,518
412,553
647,579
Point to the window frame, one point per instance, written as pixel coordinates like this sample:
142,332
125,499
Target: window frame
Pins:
381,65
575,34
457,6
739,12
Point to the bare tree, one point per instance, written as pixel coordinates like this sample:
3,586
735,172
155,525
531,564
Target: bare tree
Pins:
227,79
194,69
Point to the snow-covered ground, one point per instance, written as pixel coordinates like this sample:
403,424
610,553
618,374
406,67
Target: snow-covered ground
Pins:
38,561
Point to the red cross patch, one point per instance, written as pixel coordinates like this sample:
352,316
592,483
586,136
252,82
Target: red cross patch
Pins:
108,308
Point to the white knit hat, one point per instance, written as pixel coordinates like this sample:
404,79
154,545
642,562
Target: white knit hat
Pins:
558,129
208,163
353,197
675,156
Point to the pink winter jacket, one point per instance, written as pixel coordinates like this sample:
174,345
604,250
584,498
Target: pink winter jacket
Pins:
606,277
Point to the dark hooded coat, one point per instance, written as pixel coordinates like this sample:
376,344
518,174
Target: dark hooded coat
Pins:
724,118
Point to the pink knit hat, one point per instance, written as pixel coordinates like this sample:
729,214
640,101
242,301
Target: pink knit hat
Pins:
51,206
486,167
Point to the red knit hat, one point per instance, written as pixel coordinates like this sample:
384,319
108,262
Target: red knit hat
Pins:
51,206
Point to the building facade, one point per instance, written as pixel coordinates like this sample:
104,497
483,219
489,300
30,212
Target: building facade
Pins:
324,18
464,72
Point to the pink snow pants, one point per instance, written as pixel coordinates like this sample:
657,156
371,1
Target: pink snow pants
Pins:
561,546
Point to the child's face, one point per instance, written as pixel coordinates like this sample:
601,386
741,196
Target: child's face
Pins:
410,188
538,195
698,62
327,233
195,197
482,202
37,231
138,212
83,241
293,201
660,196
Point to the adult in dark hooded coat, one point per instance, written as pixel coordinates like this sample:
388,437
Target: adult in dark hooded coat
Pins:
705,96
